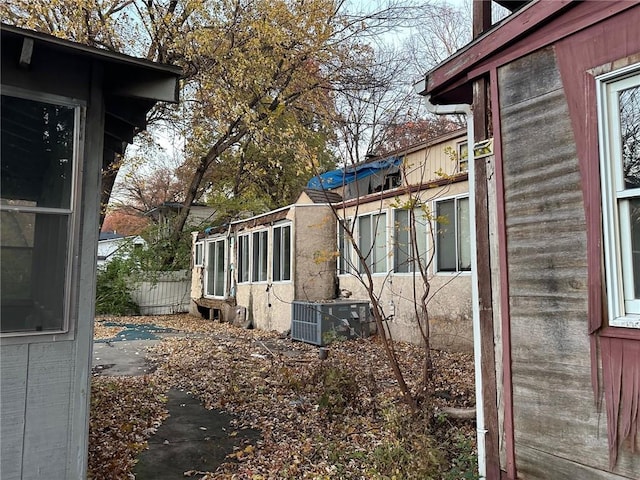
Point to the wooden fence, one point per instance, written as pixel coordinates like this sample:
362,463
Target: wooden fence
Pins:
168,293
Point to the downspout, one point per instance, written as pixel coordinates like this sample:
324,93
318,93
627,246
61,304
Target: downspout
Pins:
464,109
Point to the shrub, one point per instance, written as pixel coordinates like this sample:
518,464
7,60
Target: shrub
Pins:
113,295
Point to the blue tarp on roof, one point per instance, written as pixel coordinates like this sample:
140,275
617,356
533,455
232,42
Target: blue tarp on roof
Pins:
340,177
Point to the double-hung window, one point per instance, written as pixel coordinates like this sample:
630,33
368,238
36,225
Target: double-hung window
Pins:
619,130
243,258
372,236
39,176
215,279
453,235
259,256
410,240
282,253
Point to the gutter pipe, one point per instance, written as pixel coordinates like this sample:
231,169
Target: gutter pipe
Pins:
464,109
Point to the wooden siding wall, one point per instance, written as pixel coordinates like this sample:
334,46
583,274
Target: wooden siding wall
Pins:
556,421
44,417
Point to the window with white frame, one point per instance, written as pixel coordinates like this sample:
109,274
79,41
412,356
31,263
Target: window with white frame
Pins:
259,256
410,240
243,258
619,130
215,277
37,198
344,246
198,255
372,241
453,235
463,157
282,253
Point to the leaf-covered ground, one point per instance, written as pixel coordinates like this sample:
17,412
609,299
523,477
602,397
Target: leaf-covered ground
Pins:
338,418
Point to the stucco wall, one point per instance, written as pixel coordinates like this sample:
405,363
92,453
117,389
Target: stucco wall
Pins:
268,303
449,308
449,305
315,253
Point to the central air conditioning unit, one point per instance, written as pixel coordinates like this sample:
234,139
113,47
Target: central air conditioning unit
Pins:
320,323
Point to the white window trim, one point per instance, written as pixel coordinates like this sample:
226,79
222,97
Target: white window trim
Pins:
414,271
211,244
434,226
67,332
348,247
248,238
198,246
459,147
266,253
281,226
386,213
616,279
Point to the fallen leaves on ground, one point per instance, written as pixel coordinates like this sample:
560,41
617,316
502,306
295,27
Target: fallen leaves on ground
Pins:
339,418
102,332
125,411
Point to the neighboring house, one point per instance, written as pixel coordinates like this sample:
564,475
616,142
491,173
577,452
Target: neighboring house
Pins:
67,109
432,177
164,214
251,270
557,86
256,267
112,245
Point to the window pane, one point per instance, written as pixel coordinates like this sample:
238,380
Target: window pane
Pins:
629,101
263,256
402,254
366,241
255,257
421,222
198,259
259,270
243,258
37,153
277,245
380,244
464,235
211,267
446,236
344,246
634,213
463,157
219,273
33,264
286,253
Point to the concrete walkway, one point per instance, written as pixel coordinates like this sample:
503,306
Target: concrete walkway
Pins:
192,437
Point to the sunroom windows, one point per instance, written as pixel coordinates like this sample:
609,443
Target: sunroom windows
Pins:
260,256
409,242
37,205
619,130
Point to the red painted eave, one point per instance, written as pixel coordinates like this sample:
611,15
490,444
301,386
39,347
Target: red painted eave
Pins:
446,83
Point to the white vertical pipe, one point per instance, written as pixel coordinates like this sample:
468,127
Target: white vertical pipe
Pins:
464,109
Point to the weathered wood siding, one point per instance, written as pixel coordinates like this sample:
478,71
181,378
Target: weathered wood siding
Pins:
554,411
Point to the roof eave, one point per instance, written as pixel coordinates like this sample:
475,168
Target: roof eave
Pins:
448,82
